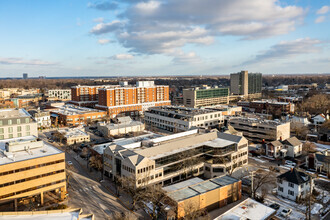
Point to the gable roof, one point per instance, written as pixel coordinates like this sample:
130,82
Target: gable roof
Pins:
294,176
293,141
229,137
276,143
322,158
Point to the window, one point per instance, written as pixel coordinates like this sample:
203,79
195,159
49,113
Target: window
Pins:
19,135
1,130
10,122
28,134
290,192
279,181
2,137
18,121
19,128
291,185
0,122
10,136
27,127
27,120
10,130
280,189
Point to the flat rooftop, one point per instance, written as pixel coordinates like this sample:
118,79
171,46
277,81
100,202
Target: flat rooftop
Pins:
113,126
12,157
194,187
73,132
13,113
184,111
257,120
248,209
73,110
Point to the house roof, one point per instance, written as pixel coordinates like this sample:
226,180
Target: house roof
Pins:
322,158
294,176
293,141
229,137
276,143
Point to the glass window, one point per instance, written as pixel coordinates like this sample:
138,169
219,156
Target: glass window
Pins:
27,133
19,134
2,137
27,120
18,121
10,129
10,136
10,122
0,122
1,130
27,128
19,128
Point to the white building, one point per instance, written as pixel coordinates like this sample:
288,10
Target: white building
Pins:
294,184
290,147
61,94
125,127
42,118
319,119
74,136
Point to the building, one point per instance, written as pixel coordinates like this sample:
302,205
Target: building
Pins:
319,119
86,96
25,76
248,209
16,123
290,147
26,101
196,194
30,167
72,115
59,94
259,130
319,161
244,83
41,117
205,96
176,119
111,129
7,93
294,184
268,107
67,214
74,136
132,100
169,159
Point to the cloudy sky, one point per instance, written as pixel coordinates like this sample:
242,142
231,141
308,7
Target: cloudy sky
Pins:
163,37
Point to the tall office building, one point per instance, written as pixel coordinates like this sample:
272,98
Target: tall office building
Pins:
206,96
132,99
244,83
25,75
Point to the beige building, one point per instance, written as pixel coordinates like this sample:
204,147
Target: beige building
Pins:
239,83
74,136
205,96
16,123
173,158
30,167
122,127
256,129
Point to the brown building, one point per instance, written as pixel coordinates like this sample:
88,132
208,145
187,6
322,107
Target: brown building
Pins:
29,168
196,194
72,115
132,100
268,107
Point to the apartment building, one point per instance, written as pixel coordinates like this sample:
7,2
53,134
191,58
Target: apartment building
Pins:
16,123
259,130
198,194
268,107
41,117
72,115
205,96
86,96
59,94
132,100
294,184
173,158
246,84
176,119
30,167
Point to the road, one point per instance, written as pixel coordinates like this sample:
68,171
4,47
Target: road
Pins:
88,194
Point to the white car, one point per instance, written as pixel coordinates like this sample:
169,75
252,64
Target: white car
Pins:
286,212
69,163
290,163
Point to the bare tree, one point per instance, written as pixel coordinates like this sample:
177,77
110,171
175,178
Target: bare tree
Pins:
122,216
299,129
95,162
187,161
308,147
260,179
192,211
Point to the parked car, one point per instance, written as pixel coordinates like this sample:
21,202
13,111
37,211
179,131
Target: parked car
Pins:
290,163
275,206
69,163
286,212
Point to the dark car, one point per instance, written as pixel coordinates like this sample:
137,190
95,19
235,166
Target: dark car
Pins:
275,206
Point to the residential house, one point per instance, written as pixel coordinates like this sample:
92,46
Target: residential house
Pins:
290,147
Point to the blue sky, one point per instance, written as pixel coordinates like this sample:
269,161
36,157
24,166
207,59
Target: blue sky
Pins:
166,37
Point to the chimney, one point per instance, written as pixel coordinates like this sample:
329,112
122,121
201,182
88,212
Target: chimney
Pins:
291,170
280,138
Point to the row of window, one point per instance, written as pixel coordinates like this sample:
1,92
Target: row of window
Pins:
16,121
146,169
128,169
30,178
11,129
31,167
158,175
30,189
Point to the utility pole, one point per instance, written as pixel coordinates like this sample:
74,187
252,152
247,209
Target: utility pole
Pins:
310,196
252,193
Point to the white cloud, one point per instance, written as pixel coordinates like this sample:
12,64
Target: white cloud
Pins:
325,9
182,58
122,57
99,20
102,28
153,27
103,5
104,41
286,49
320,19
21,61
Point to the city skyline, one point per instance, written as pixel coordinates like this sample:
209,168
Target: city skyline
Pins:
150,38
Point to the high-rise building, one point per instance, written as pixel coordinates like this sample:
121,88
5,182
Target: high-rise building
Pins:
206,96
132,99
244,83
25,75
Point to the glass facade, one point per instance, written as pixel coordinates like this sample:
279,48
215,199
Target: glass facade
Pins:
255,83
212,93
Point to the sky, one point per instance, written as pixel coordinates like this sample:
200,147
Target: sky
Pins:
65,38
